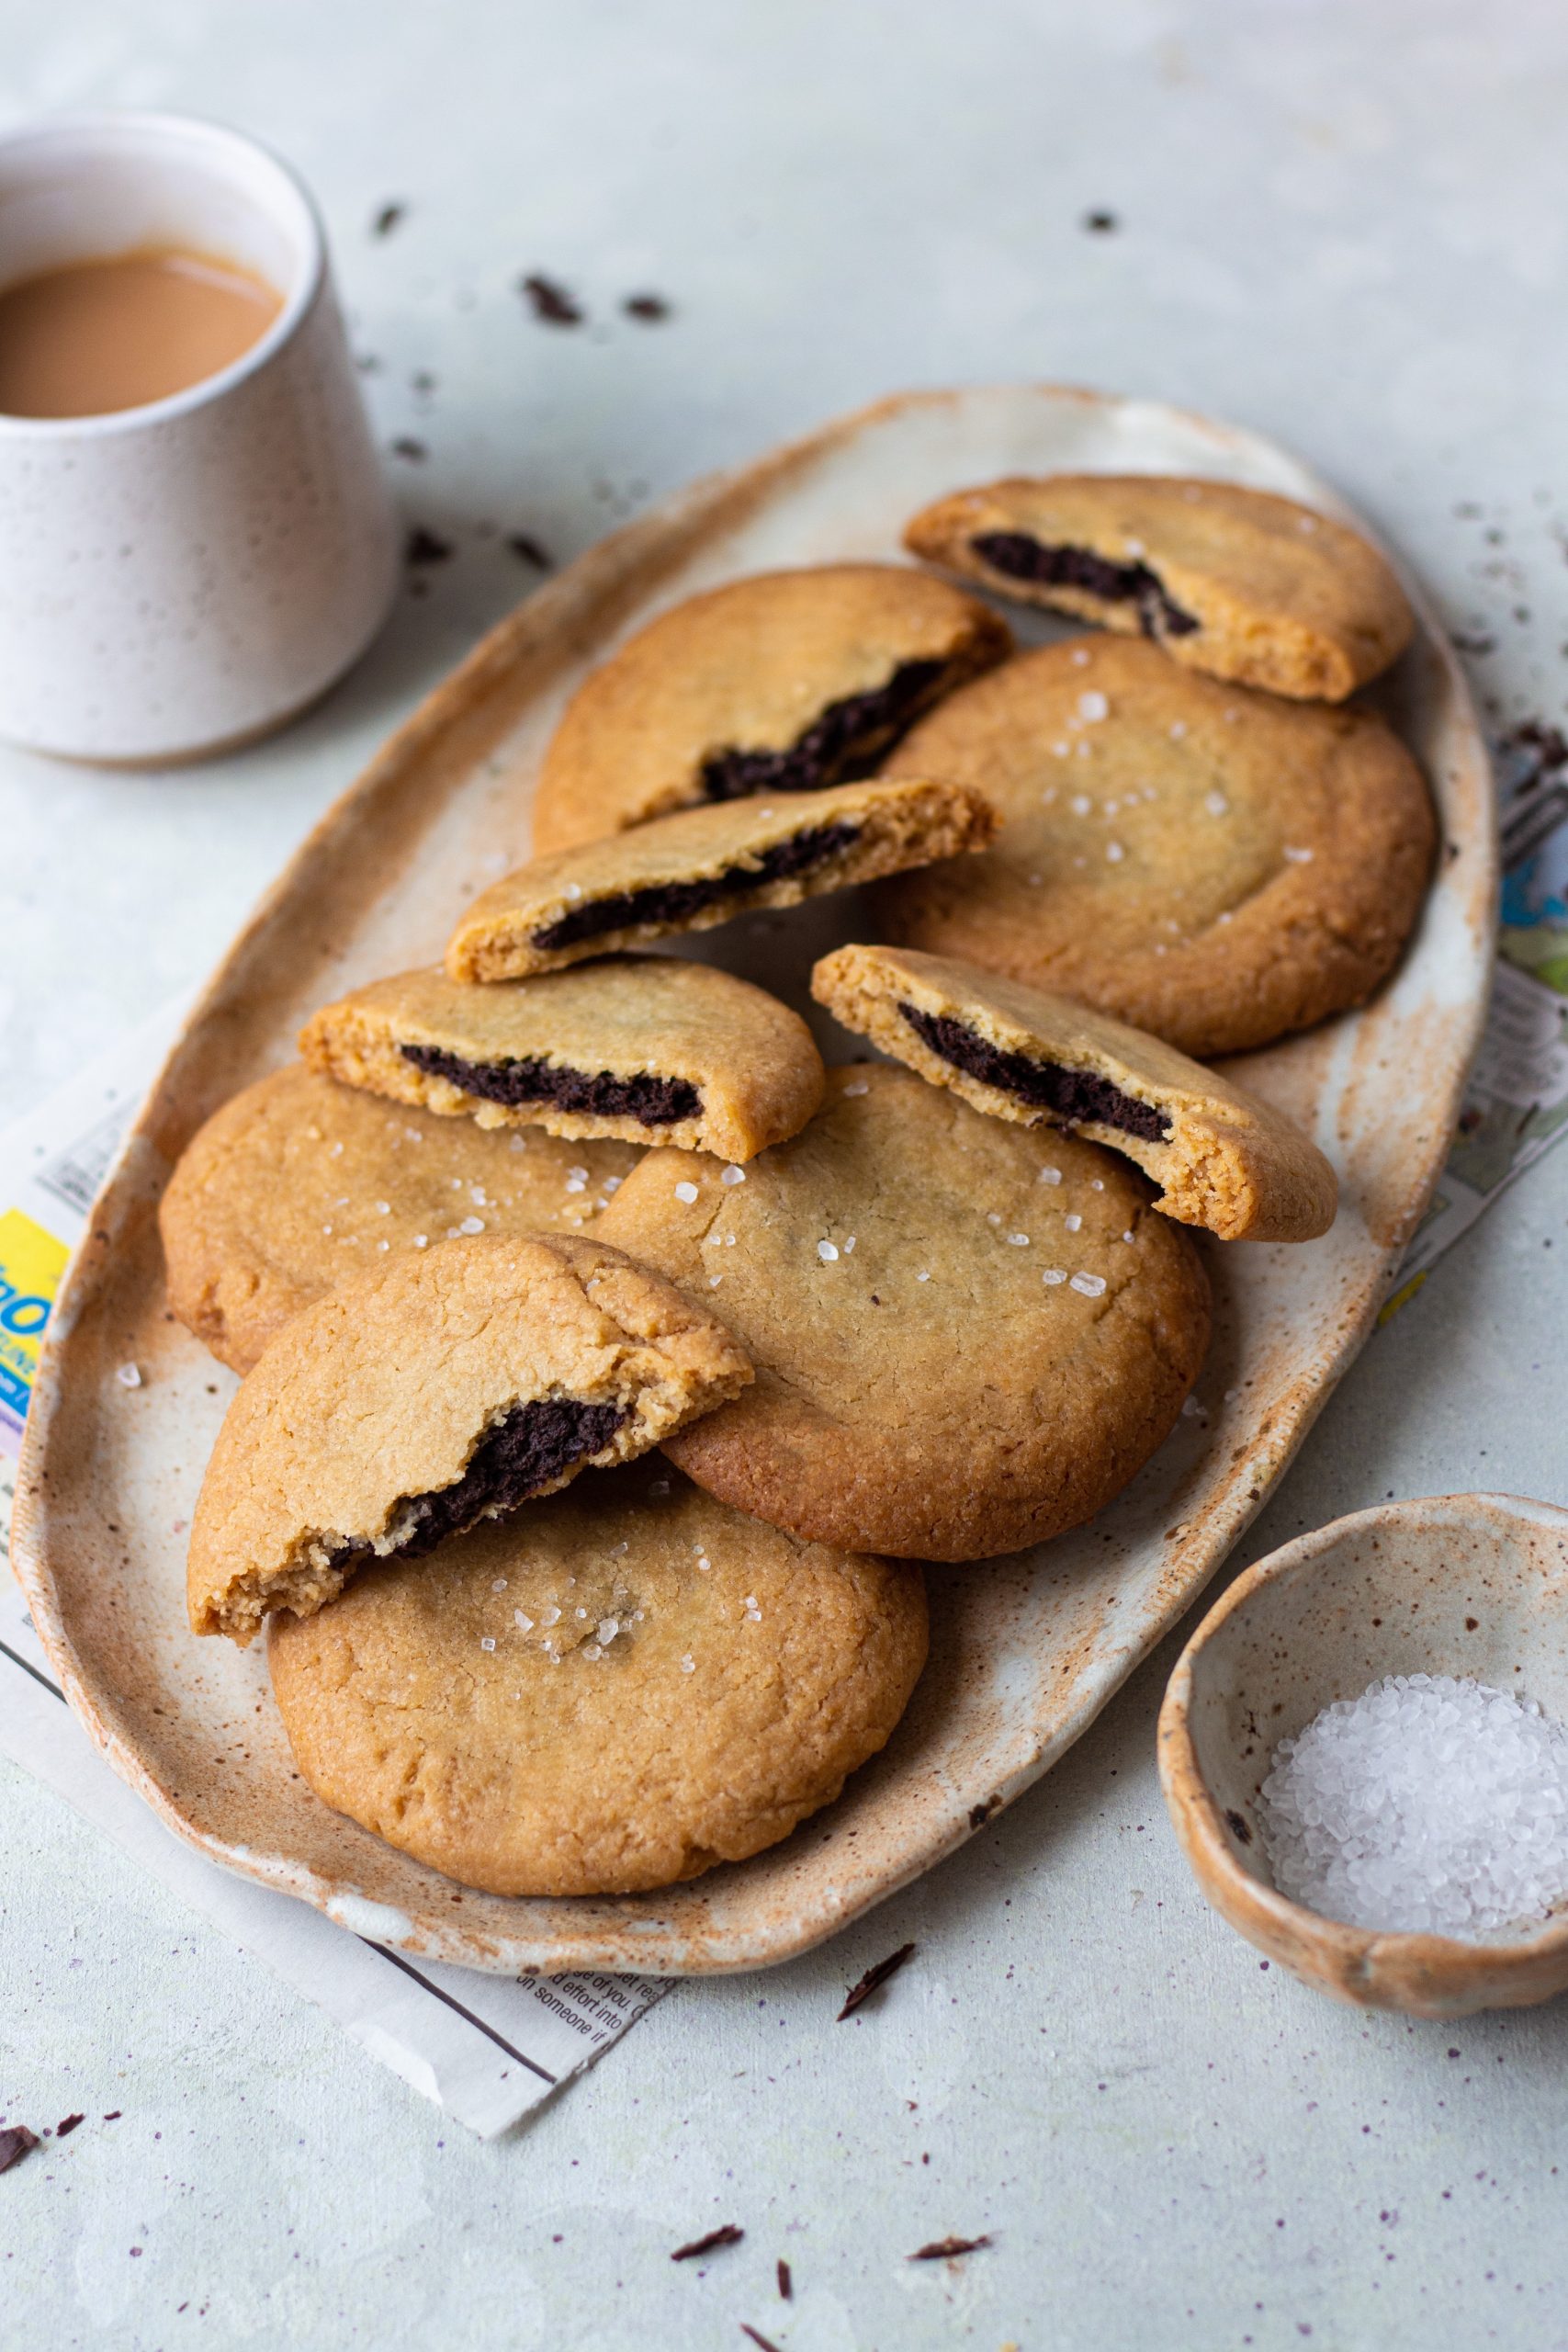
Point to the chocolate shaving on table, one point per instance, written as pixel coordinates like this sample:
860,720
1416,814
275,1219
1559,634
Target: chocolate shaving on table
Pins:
550,301
1101,222
67,2124
786,2285
940,2249
726,2234
113,2116
405,446
529,550
387,220
872,1979
757,2336
15,2144
651,308
424,547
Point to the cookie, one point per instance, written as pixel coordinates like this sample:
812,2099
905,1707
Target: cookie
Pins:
706,866
297,1183
1217,866
1238,583
619,1689
638,1046
1223,1159
967,1337
435,1391
784,683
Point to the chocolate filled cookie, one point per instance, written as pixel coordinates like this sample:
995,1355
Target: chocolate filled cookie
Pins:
967,1336
614,1691
1216,867
787,682
1238,583
708,865
298,1183
1222,1159
637,1046
434,1392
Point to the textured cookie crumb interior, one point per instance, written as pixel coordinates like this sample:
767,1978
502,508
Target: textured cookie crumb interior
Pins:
803,853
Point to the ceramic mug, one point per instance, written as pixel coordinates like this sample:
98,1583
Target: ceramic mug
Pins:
187,576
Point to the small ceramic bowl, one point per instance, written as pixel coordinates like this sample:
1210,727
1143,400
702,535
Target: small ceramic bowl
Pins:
1467,1585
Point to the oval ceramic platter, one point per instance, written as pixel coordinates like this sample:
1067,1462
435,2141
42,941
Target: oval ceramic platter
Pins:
1025,1651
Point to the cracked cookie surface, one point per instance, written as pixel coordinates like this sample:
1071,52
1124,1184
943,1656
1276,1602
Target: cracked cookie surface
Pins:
643,1048
785,682
621,1688
1238,583
967,1335
1216,867
498,1367
1222,1159
297,1183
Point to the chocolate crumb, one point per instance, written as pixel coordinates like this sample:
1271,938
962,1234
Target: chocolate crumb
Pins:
387,220
726,2234
15,2144
529,550
786,2285
872,1978
550,301
422,382
766,2342
1239,1826
941,2248
66,2125
405,446
1100,223
424,547
113,2116
651,308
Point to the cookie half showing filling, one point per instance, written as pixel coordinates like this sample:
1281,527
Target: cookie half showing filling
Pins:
299,1183
704,866
1222,1159
787,682
435,1392
636,1047
967,1337
1239,582
618,1689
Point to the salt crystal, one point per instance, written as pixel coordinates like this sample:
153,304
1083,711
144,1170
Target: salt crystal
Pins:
733,1175
1074,1222
1178,729
128,1376
524,1625
1299,856
684,1191
383,1245
849,1243
574,890
1114,852
1019,1240
608,1628
1216,804
498,1584
1088,1286
383,1208
1080,804
1050,1176
614,1183
922,1278
1428,1805
826,1252
1080,658
861,1086
688,1664
488,1642
1055,1274
472,1225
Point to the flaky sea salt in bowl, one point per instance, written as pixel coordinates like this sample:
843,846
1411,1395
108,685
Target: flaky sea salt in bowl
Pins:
1375,1717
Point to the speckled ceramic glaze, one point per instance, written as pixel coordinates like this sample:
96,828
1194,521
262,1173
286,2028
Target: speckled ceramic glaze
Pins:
184,575
1471,1585
1024,1651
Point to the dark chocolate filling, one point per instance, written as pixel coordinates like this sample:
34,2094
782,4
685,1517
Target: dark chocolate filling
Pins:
531,1445
676,901
1022,558
657,1102
1075,1095
846,742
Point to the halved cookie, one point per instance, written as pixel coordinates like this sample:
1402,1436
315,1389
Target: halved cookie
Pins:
1215,865
707,865
784,683
638,1046
1238,583
621,1688
297,1183
1223,1159
433,1393
967,1337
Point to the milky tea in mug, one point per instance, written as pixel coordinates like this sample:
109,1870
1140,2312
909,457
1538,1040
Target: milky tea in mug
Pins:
92,337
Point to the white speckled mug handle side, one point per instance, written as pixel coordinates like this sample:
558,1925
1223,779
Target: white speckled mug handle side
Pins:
185,576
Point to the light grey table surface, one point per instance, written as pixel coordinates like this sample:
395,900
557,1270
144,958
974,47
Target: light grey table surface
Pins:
1345,223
